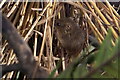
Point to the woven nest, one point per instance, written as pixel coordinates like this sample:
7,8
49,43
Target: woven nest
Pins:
34,21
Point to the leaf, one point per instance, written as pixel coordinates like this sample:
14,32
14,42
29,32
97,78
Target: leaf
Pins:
80,71
105,52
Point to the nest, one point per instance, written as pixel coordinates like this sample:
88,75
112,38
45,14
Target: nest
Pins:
34,21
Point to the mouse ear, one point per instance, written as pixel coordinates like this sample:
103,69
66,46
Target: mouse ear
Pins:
76,20
72,18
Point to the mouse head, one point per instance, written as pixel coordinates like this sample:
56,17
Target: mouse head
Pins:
65,25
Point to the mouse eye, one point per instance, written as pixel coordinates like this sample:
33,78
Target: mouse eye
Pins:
58,24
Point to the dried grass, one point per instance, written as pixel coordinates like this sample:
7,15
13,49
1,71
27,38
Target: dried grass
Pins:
35,20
